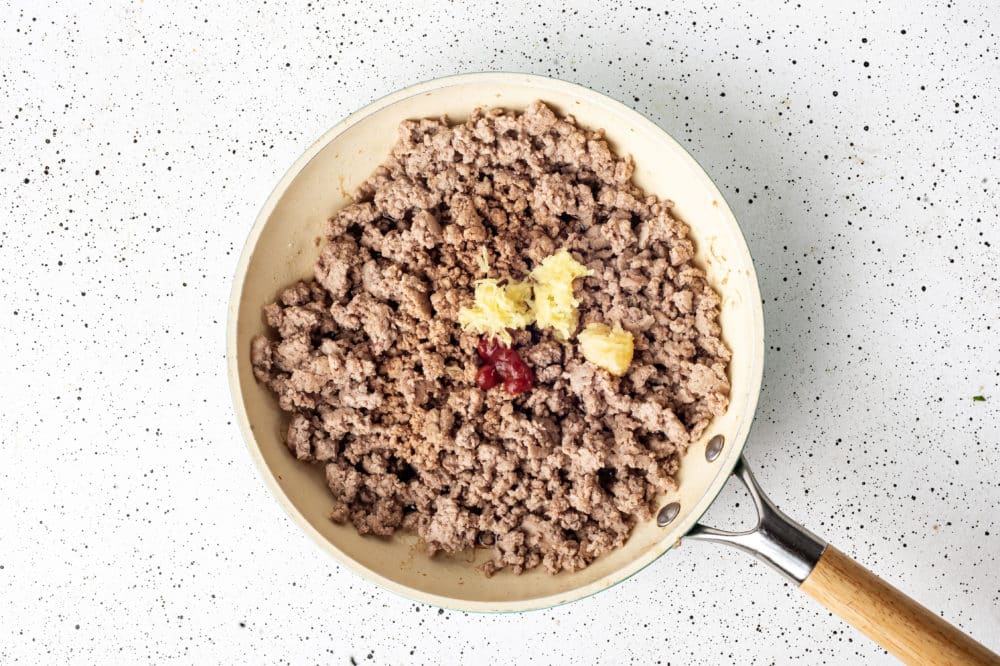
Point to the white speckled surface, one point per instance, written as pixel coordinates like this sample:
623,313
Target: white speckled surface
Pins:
858,147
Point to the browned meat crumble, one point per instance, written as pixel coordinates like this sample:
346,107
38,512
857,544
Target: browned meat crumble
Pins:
378,376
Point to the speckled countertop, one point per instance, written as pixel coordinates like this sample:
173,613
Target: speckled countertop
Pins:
857,145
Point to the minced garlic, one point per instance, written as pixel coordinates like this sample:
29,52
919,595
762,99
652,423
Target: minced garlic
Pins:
607,348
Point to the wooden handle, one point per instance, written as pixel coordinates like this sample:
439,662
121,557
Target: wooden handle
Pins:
896,622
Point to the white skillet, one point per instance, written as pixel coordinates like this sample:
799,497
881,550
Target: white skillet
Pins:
283,246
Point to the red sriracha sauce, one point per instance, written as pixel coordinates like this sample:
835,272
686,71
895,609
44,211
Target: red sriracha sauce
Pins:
501,363
487,377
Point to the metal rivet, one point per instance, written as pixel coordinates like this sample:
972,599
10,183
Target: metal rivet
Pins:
667,514
714,447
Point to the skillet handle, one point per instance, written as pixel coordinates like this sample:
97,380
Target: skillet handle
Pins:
906,629
895,621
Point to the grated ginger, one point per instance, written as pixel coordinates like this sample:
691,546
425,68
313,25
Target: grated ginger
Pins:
607,348
483,260
498,307
555,305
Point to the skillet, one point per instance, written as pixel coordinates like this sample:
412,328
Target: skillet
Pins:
284,244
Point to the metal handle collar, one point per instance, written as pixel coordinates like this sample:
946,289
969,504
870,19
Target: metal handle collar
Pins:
776,539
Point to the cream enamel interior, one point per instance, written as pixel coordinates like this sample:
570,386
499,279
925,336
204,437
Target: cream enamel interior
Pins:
284,243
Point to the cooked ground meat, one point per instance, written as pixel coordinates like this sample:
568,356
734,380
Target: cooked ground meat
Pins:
379,378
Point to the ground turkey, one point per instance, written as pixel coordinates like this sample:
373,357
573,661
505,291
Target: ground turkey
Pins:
378,377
